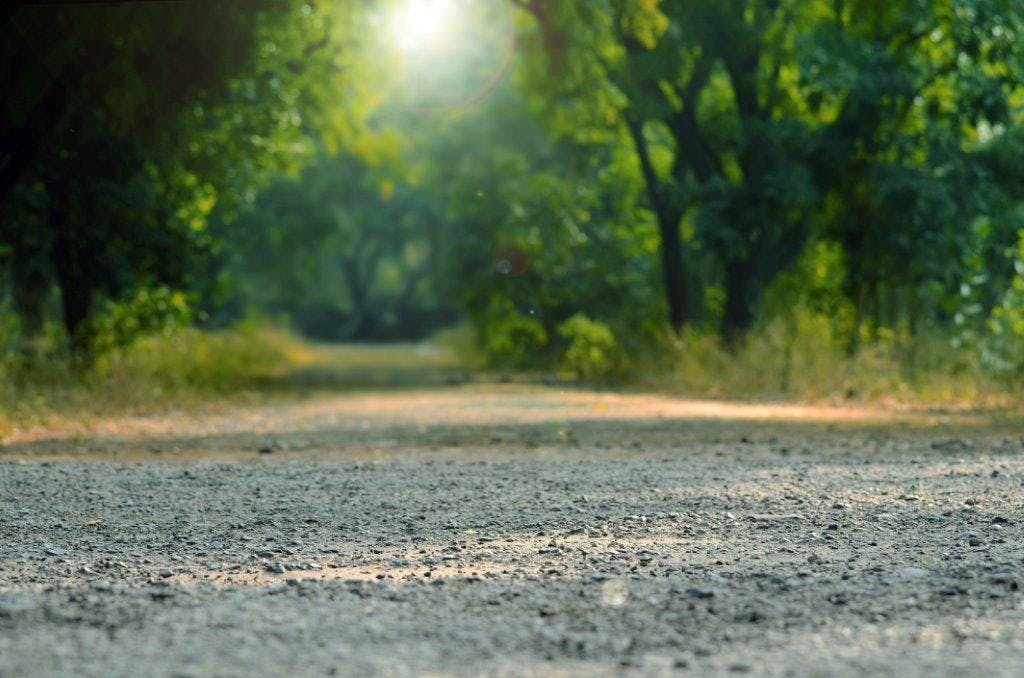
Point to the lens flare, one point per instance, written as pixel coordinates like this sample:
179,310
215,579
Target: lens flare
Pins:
422,25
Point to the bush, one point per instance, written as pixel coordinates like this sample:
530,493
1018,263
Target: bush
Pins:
200,361
507,337
10,340
593,352
1003,348
176,367
805,358
147,311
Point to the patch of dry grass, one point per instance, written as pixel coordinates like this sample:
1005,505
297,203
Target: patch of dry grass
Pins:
181,369
809,364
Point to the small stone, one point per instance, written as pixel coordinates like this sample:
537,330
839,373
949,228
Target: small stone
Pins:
1005,578
698,592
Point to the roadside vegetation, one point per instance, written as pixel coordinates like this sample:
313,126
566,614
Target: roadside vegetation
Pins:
767,199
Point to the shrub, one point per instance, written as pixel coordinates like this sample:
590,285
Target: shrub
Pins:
192,360
508,337
147,311
592,352
179,367
1003,348
804,358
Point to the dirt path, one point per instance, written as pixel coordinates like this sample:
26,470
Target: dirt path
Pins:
514,530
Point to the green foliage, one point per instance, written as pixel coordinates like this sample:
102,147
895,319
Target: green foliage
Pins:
10,347
807,360
345,250
592,352
179,368
158,310
507,336
570,211
760,126
1004,345
190,361
791,184
122,135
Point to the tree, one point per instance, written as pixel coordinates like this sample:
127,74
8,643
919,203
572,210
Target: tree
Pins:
346,250
123,125
916,96
760,124
701,89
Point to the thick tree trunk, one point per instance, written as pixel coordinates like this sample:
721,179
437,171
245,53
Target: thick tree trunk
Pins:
672,271
76,293
671,242
30,287
738,315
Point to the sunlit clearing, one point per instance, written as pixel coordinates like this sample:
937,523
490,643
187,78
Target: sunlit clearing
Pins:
420,26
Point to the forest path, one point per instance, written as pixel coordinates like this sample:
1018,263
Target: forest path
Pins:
417,400
513,529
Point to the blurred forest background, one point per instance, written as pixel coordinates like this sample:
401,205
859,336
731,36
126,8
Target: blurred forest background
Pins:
752,198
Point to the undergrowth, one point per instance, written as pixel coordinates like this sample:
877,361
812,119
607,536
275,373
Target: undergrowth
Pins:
809,363
179,368
800,360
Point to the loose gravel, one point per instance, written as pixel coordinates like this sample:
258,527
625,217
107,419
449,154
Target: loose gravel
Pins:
562,546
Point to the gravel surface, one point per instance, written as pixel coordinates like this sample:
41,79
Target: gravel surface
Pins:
534,540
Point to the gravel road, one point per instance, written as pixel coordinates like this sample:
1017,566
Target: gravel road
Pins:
509,530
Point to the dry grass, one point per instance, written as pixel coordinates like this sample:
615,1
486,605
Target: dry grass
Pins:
205,372
810,364
182,369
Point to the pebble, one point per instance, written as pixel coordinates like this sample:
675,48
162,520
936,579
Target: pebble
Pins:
698,592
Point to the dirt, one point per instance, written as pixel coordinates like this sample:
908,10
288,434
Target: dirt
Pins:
513,529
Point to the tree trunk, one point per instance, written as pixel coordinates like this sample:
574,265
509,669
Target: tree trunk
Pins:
858,318
670,242
76,293
875,299
738,316
672,271
29,289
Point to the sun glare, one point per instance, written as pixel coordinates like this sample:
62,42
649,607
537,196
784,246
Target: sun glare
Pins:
421,25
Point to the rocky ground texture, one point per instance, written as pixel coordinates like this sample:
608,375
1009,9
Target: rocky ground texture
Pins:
513,531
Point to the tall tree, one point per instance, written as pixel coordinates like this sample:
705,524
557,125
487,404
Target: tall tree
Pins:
122,125
705,88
